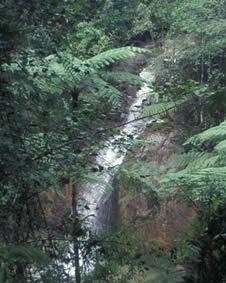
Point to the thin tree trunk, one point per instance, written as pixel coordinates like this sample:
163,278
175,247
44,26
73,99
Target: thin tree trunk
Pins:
74,234
20,273
76,261
202,62
201,112
75,95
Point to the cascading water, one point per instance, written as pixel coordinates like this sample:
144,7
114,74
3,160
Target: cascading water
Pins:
93,195
111,156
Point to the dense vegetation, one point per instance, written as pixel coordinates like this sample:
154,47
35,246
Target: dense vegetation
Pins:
62,92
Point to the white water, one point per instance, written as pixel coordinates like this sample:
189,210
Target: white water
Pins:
111,156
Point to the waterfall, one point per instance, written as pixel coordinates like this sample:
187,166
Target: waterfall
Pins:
111,156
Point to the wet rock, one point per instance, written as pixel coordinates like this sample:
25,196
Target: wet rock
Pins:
148,101
123,116
130,136
140,59
100,129
94,169
150,45
131,90
101,168
180,273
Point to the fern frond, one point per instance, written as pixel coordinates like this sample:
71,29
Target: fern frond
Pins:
106,90
65,66
111,56
199,179
124,77
195,162
160,276
29,254
203,161
209,137
221,147
182,160
162,108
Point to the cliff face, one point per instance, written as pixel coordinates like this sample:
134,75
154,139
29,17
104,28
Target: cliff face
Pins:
165,222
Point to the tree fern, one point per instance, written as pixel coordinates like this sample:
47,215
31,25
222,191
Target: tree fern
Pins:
63,72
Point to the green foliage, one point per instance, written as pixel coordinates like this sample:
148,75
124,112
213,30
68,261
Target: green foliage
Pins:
116,18
203,22
124,257
52,104
202,178
152,19
161,109
65,73
89,40
22,253
195,39
58,87
108,57
18,257
124,77
119,256
209,138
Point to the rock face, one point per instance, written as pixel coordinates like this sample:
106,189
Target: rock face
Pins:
140,60
169,220
130,90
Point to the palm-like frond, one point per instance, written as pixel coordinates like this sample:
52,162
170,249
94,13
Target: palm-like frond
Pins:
111,56
11,255
162,108
221,147
203,161
182,160
105,90
195,180
209,137
201,169
124,77
22,253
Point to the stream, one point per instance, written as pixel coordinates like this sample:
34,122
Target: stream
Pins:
110,156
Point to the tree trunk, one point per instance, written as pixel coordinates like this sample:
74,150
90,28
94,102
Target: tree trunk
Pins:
74,234
75,95
76,261
75,217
